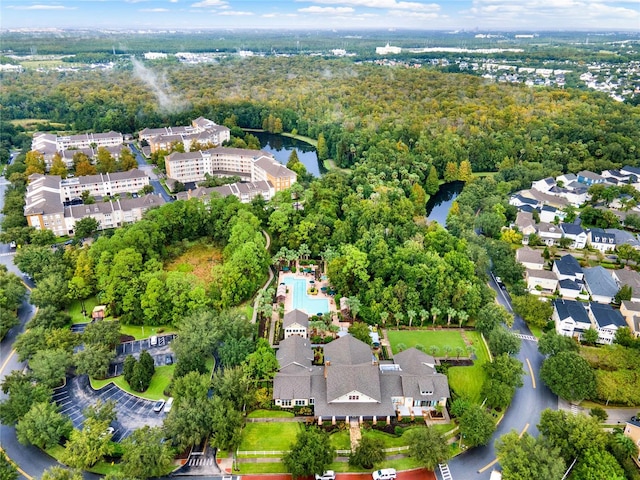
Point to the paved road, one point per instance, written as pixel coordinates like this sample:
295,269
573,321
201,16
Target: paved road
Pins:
524,412
148,169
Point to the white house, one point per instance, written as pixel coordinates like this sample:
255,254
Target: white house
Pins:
526,225
600,284
575,233
569,289
567,267
544,185
296,322
600,240
570,317
606,321
541,281
549,214
549,233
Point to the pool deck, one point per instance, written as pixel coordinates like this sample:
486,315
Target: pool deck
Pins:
288,302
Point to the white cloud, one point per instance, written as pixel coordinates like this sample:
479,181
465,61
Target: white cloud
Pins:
326,10
173,1
277,15
235,13
390,4
40,7
414,15
153,10
210,3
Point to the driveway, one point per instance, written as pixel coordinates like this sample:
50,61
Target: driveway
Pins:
132,412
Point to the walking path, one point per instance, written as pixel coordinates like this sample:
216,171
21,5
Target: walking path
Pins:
264,287
355,435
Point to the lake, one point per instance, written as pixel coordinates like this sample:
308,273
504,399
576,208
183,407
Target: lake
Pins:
439,204
281,147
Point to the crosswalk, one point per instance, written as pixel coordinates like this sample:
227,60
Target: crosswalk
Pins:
574,409
445,472
200,462
522,336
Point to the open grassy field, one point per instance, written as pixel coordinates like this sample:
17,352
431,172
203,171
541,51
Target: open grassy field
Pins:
270,414
426,338
269,436
34,123
75,310
140,332
199,260
159,382
468,381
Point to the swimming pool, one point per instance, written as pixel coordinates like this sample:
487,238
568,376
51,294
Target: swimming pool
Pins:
304,302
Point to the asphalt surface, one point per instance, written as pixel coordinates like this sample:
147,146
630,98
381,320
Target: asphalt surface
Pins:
148,169
524,412
132,412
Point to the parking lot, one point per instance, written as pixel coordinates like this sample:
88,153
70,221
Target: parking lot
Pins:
159,352
132,412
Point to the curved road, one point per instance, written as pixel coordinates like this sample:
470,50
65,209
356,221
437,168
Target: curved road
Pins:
523,414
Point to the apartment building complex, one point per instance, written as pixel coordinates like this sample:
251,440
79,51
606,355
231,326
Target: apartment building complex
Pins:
51,203
201,130
49,144
249,165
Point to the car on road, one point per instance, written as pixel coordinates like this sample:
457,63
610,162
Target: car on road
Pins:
13,245
384,474
159,405
328,475
635,418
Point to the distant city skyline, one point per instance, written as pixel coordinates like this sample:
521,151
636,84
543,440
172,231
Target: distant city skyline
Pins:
480,15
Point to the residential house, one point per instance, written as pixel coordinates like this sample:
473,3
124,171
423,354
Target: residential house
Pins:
567,267
600,284
570,317
520,201
296,322
622,237
569,288
617,177
606,321
589,178
566,179
544,185
575,195
630,278
549,233
353,384
632,430
526,225
630,171
631,313
541,281
530,258
545,198
601,240
549,214
575,233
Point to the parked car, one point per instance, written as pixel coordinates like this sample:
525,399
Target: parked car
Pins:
384,474
13,245
153,341
108,431
168,359
328,475
168,405
159,405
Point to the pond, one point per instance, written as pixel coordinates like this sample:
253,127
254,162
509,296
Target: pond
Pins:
281,147
439,204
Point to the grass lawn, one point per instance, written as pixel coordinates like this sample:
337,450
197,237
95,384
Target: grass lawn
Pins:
75,310
270,414
468,381
199,260
271,467
426,338
160,380
139,332
340,440
269,436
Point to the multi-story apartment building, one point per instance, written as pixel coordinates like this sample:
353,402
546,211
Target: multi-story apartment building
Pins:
249,165
201,130
48,197
49,144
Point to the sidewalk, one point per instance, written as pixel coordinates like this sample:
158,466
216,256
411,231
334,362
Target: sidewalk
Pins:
617,415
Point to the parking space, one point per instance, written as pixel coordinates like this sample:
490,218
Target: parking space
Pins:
161,352
132,412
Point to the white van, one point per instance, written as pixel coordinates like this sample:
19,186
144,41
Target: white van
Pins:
168,405
154,341
384,474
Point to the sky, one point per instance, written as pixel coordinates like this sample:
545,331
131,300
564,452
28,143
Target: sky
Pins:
481,15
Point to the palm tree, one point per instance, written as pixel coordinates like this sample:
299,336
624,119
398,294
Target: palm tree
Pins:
423,314
399,316
401,347
412,315
420,347
450,314
383,317
354,306
433,350
462,317
626,445
303,251
447,350
471,350
435,311
459,351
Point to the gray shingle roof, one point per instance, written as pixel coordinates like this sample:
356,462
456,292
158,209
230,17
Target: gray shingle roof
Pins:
568,284
347,350
363,378
568,265
295,316
296,350
605,315
600,282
